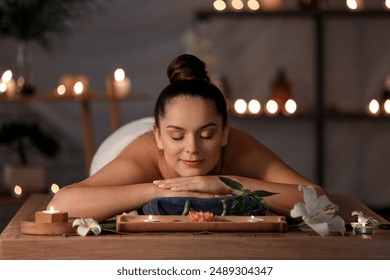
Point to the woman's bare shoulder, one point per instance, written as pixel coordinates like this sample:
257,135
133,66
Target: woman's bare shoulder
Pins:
137,163
244,154
237,139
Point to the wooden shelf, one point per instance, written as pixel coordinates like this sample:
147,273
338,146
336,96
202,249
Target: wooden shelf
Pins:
358,116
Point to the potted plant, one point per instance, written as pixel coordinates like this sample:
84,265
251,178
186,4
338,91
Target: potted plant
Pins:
38,21
22,137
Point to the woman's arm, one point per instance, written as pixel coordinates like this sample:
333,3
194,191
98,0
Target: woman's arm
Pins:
257,168
123,185
286,195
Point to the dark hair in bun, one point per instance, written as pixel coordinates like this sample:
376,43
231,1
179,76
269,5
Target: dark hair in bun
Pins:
187,67
188,77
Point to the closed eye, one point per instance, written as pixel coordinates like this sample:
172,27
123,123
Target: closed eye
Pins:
206,135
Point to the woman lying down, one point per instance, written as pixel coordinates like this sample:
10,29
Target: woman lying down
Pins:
190,146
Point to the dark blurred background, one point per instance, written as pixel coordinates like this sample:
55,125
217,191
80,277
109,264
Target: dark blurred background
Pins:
336,60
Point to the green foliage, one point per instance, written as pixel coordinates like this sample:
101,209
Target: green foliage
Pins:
41,20
239,201
19,136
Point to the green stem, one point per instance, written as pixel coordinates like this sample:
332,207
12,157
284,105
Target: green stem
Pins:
187,207
296,225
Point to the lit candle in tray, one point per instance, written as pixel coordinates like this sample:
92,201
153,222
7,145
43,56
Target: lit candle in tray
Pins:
254,220
151,220
51,216
361,228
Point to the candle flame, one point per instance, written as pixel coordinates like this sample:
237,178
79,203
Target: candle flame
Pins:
386,107
51,209
290,106
374,107
7,76
3,87
254,106
352,4
150,217
219,5
54,188
387,4
61,90
78,88
18,190
240,106
119,75
272,107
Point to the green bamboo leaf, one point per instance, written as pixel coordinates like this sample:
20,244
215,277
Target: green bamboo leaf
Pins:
232,183
261,193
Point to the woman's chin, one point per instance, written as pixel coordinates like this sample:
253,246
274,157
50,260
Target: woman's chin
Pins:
191,173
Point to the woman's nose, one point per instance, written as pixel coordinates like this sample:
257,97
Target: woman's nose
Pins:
192,145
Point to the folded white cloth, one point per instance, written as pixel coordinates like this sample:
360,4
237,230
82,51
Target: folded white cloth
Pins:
117,141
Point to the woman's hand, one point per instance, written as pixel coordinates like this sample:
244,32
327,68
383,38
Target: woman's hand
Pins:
201,184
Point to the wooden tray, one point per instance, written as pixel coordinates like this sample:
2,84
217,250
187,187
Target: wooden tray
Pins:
172,223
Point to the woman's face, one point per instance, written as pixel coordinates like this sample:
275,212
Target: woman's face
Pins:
191,135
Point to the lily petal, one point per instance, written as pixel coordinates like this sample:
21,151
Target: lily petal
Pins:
309,194
321,228
298,210
337,225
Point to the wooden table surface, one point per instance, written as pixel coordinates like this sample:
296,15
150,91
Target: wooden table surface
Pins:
295,244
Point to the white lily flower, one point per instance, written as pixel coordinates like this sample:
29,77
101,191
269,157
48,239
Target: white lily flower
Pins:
86,225
319,213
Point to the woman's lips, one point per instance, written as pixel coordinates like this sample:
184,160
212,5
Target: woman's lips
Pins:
192,163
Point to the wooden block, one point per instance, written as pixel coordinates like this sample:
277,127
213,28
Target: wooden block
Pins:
33,228
57,217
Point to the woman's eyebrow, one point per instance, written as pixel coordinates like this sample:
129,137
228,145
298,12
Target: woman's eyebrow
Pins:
202,127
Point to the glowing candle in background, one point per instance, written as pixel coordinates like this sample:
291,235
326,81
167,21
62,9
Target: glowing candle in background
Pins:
253,5
54,188
387,4
374,107
61,90
237,4
272,107
122,84
354,5
290,107
240,106
8,85
78,88
254,107
3,87
18,191
386,107
219,5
